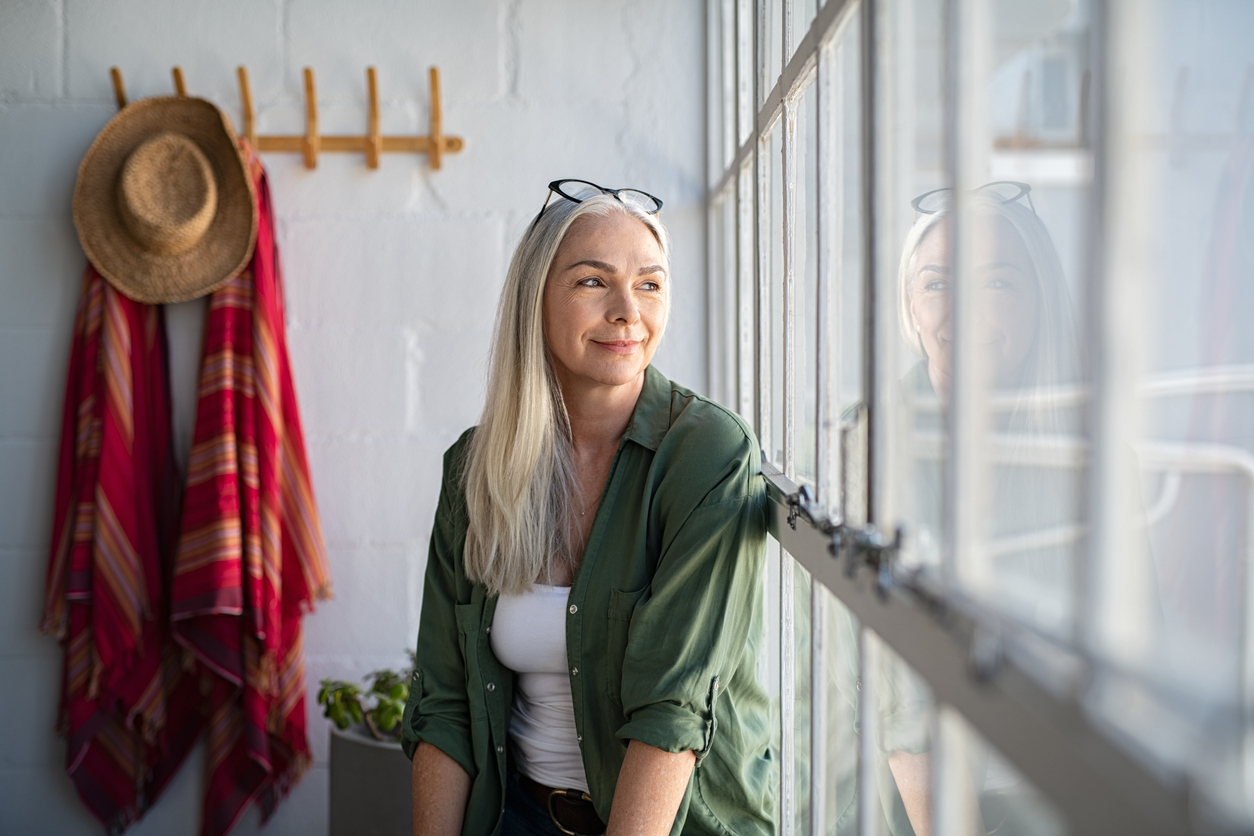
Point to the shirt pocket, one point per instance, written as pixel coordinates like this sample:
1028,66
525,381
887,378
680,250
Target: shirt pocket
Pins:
618,625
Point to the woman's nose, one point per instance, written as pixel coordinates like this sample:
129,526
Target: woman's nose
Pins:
623,308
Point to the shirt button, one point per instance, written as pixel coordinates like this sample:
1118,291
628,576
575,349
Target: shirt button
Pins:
574,671
579,738
573,609
415,676
499,748
491,686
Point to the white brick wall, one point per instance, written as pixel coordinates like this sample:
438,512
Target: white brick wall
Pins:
392,277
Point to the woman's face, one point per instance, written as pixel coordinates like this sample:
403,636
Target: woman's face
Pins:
605,302
1007,312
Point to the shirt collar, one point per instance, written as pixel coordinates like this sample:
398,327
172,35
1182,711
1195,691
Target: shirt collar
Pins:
652,417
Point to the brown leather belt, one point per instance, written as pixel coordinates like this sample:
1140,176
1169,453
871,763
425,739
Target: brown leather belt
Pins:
571,810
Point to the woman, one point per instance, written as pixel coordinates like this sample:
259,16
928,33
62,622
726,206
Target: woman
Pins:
591,612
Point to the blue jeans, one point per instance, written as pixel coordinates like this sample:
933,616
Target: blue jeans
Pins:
523,816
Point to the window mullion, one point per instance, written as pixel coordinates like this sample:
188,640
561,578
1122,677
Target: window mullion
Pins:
966,504
868,731
818,709
1117,621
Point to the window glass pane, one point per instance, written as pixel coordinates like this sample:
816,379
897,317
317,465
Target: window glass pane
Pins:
801,697
806,287
840,715
747,296
841,233
983,793
769,667
746,104
722,298
913,469
728,311
803,12
716,292
772,249
770,45
1180,258
903,755
993,280
717,113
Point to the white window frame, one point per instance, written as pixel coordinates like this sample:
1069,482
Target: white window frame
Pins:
976,662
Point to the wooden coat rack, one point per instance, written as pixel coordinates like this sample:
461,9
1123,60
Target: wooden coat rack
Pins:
435,145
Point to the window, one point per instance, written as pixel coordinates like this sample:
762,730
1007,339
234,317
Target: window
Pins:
980,273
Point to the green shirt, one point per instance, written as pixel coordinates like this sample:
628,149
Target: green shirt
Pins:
662,631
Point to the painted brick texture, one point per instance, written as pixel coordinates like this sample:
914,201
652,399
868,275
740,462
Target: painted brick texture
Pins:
392,277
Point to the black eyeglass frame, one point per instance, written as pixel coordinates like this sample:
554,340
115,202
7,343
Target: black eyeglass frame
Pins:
1025,189
556,186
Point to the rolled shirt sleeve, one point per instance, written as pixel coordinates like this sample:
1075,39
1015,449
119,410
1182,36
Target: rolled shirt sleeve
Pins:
438,710
689,631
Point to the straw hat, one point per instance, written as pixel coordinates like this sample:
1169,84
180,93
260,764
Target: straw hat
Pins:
164,204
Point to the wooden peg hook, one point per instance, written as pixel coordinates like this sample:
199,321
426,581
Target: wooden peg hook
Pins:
119,88
374,142
312,142
436,147
246,105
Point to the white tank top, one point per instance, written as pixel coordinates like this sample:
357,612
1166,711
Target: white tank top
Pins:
529,636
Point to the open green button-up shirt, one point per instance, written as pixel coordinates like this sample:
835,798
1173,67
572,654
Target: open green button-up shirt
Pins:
663,627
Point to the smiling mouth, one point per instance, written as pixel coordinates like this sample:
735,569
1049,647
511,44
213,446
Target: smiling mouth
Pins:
619,346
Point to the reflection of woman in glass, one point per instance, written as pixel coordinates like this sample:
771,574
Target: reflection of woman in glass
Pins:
1026,350
1026,361
1026,324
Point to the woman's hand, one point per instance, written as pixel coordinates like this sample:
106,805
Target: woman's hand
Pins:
650,787
441,788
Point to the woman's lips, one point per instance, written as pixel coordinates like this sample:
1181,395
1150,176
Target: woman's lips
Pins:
619,346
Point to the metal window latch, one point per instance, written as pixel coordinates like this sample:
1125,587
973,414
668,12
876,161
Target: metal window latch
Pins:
800,502
859,545
872,548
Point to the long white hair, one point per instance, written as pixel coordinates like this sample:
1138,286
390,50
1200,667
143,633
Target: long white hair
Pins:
520,478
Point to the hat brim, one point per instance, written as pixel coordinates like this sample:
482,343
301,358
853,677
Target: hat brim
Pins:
226,245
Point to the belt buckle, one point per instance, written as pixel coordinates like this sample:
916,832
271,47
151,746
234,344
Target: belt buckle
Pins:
577,796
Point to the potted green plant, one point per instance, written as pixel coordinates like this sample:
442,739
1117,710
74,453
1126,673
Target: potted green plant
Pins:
370,789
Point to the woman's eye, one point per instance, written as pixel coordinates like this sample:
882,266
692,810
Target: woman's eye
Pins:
591,281
998,284
651,286
936,286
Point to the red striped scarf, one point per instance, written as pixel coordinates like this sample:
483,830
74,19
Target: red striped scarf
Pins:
129,713
250,558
